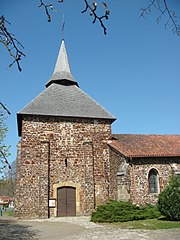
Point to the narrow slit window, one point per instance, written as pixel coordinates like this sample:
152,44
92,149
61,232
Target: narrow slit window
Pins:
66,162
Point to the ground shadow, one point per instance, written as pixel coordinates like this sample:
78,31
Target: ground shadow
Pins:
11,230
167,219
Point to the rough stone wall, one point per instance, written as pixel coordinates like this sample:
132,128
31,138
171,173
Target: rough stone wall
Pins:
119,177
56,150
18,164
139,171
129,178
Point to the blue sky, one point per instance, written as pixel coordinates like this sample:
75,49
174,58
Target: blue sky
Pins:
133,71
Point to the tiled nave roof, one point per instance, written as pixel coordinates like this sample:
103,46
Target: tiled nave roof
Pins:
142,145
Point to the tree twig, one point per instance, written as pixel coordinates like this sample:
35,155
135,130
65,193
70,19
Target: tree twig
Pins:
48,7
11,43
92,9
5,108
4,156
163,8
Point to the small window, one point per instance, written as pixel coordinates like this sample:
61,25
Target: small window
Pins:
66,162
153,181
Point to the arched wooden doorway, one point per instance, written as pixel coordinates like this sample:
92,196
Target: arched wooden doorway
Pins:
66,201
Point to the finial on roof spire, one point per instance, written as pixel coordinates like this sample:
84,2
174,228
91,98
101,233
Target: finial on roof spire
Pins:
62,73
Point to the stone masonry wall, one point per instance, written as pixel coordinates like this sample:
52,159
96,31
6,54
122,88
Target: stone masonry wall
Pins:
129,177
59,150
139,171
119,177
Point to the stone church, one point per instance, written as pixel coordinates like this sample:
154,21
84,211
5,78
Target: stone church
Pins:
69,161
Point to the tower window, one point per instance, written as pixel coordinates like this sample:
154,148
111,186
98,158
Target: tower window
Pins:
66,162
153,181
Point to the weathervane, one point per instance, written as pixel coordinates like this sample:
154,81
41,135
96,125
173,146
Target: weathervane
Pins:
63,24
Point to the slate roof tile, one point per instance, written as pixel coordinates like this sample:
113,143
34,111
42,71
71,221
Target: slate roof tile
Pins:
65,101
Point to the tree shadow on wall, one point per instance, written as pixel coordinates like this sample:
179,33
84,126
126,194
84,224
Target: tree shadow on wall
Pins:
10,230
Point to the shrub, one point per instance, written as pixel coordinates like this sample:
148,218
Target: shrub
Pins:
115,211
169,200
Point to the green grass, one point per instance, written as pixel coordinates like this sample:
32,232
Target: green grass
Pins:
8,213
149,224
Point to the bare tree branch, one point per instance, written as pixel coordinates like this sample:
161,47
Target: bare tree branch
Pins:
14,47
4,156
11,43
4,150
48,7
163,8
5,108
92,9
173,19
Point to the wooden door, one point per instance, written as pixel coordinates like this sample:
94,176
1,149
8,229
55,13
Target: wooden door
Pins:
66,201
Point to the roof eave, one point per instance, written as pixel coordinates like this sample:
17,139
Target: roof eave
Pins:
19,123
63,81
152,156
142,155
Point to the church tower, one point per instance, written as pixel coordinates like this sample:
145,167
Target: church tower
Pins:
63,160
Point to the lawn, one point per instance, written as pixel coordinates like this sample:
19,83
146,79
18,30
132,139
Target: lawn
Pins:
8,212
149,224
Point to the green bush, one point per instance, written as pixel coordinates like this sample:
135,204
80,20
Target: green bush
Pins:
115,211
169,200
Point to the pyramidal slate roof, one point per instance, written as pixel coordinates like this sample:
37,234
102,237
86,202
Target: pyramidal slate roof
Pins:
63,97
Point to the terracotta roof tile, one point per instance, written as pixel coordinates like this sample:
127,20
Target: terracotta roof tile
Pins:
139,145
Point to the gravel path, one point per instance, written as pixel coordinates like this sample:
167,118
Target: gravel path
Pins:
76,228
92,231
